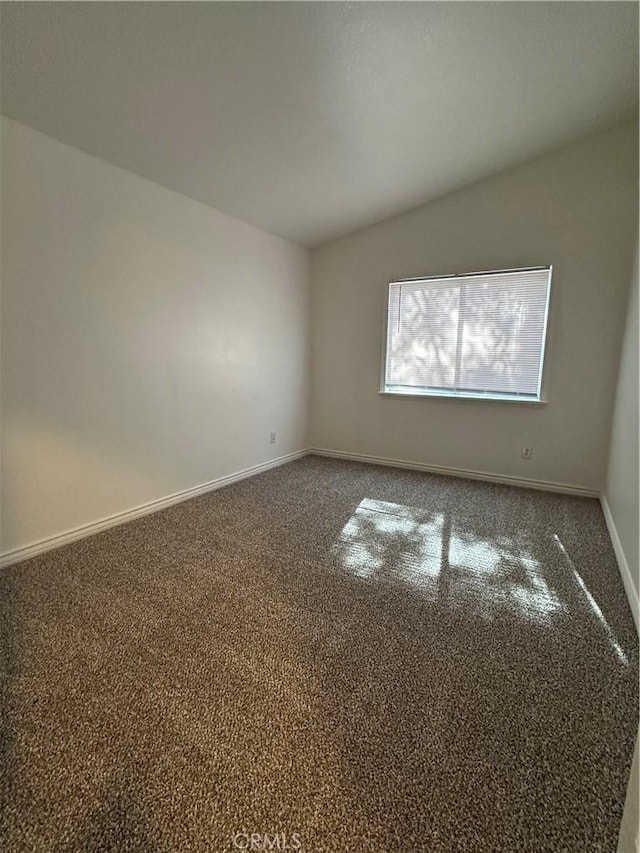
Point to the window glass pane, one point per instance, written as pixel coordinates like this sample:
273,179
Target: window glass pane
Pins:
502,336
474,334
422,335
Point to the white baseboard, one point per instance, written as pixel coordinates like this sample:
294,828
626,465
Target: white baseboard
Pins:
18,555
623,565
33,549
542,485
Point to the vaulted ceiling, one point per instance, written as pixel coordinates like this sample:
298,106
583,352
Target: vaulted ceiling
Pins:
312,120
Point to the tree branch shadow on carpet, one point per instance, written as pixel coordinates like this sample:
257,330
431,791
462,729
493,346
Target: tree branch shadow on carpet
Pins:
443,697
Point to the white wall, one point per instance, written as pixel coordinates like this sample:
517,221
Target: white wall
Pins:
574,208
149,343
621,491
623,511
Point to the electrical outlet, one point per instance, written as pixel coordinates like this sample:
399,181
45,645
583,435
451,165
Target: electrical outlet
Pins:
527,452
272,438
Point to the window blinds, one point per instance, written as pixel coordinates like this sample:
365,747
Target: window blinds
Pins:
480,334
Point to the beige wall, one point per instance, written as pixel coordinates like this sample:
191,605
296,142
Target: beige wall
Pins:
622,484
575,209
149,343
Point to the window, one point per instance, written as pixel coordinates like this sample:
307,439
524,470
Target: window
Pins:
472,335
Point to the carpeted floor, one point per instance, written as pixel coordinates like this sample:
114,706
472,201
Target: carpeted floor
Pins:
341,656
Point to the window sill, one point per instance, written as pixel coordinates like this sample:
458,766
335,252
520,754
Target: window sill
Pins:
485,398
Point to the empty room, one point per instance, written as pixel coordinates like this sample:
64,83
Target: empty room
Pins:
319,427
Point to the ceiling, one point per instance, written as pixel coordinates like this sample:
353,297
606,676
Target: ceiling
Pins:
313,120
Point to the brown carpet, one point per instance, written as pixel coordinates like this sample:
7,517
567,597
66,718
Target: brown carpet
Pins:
341,656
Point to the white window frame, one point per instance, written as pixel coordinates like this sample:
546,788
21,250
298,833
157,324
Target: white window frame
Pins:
452,394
